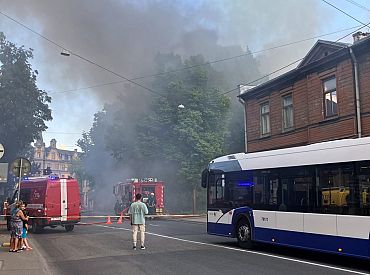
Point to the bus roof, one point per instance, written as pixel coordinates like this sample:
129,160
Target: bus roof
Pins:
336,151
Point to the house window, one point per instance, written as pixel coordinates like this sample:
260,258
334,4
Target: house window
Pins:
265,119
330,97
287,112
53,156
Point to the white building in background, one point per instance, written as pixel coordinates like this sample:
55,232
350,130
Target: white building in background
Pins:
58,160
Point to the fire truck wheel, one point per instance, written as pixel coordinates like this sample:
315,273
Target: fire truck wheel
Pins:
69,227
36,228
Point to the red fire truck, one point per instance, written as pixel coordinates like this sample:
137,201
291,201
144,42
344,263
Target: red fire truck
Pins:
151,188
51,201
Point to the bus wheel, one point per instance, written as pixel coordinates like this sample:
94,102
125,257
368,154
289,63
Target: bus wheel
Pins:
244,234
69,227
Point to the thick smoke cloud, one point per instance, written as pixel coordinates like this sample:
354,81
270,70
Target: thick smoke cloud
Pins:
125,36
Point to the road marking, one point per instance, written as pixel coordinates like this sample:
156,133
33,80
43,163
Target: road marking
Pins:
153,224
244,251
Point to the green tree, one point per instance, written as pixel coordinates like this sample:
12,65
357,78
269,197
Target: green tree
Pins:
23,107
190,136
152,137
95,160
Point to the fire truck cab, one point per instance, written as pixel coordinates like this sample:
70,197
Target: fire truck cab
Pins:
151,188
51,201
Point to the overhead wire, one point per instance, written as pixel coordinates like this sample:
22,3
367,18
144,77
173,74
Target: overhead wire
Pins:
206,63
342,11
80,56
364,25
283,45
132,80
358,5
264,76
197,65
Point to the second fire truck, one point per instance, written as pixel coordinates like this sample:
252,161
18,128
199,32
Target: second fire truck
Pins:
151,188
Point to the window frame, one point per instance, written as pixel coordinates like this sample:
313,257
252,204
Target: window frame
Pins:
326,115
265,115
285,108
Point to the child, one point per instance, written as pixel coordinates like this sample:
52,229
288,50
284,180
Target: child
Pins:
25,244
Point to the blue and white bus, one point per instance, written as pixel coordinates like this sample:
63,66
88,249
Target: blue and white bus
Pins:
314,197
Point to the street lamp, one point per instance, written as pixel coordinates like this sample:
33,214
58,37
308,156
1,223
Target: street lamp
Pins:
65,53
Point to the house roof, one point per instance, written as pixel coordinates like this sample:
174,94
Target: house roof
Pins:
322,53
321,49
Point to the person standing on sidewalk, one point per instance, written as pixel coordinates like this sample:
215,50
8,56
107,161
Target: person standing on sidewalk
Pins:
137,212
24,244
16,224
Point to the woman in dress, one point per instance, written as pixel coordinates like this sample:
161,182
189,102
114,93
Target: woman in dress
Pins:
16,225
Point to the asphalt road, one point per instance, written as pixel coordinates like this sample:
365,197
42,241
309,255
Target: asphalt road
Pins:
175,247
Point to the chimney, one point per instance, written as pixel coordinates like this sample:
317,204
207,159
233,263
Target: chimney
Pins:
359,36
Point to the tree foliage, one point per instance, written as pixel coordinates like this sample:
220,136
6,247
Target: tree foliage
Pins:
189,136
155,137
94,160
24,108
171,142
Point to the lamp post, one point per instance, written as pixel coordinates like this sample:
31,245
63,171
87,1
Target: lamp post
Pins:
181,106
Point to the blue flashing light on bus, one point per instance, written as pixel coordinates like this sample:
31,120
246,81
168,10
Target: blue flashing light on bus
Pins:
313,197
246,184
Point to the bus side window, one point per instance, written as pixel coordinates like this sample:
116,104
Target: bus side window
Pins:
363,175
265,190
339,192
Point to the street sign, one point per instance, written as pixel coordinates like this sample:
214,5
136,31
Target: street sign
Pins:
21,167
1,150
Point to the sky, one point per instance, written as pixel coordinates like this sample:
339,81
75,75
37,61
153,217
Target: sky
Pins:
124,36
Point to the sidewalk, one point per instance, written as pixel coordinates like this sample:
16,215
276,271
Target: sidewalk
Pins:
23,263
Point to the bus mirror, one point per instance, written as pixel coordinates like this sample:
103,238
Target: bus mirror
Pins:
205,178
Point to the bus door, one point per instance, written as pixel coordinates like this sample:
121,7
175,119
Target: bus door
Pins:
217,221
266,194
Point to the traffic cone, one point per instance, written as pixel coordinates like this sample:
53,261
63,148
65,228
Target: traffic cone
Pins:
120,219
108,221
